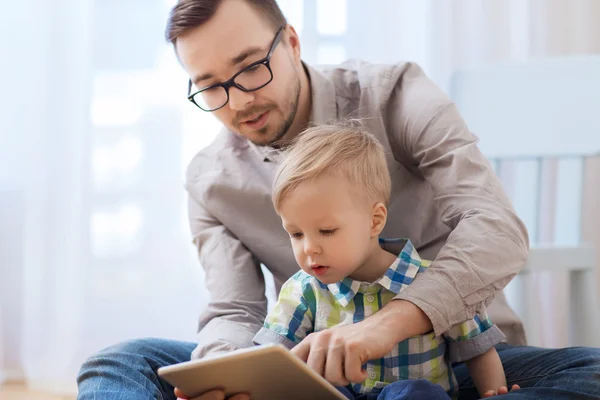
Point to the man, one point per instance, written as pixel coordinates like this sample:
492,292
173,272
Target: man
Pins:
245,64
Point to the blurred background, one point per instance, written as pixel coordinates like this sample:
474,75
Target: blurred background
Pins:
96,132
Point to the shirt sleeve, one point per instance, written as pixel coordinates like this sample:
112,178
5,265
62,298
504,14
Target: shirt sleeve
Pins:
472,338
235,282
292,318
488,244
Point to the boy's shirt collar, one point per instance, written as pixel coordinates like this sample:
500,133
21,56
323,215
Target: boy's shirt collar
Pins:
396,278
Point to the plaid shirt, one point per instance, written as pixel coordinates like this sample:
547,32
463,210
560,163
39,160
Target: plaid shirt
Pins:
306,305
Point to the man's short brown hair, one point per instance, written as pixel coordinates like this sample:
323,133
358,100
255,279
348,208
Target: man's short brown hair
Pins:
190,14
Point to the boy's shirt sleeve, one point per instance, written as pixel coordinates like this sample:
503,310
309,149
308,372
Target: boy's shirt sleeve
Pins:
292,318
472,338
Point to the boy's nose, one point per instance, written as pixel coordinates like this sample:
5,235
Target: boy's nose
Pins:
311,248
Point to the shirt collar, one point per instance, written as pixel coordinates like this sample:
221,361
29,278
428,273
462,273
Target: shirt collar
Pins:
323,108
398,276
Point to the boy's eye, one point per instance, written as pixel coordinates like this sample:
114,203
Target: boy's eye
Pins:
328,232
296,235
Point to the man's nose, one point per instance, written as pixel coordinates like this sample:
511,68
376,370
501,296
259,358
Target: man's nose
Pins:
238,99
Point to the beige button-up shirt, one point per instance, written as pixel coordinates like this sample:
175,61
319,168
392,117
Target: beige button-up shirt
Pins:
445,198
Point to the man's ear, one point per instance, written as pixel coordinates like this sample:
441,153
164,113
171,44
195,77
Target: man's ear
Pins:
379,218
294,42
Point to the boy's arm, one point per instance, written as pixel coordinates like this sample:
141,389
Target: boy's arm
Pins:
292,318
473,342
472,338
487,372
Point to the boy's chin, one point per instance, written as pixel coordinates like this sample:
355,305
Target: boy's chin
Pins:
327,280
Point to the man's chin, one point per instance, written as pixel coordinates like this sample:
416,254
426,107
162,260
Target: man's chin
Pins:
260,139
263,137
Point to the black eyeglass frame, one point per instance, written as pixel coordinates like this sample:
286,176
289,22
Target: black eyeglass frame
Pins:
231,82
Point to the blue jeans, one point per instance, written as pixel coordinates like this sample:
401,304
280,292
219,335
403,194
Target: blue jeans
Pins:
127,371
402,390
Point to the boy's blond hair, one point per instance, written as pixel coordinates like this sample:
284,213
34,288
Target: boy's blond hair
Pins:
341,149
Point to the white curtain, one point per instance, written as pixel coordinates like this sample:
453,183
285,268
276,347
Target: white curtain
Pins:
95,134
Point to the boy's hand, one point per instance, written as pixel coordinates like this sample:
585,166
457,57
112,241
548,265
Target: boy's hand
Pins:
500,391
212,395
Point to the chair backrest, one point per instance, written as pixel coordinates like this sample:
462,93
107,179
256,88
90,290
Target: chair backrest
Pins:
539,108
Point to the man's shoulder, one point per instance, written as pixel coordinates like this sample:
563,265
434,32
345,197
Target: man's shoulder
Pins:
212,160
355,75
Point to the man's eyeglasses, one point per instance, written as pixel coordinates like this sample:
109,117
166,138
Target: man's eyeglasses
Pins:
253,77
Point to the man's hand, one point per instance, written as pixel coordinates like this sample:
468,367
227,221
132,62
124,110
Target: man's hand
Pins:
338,353
212,395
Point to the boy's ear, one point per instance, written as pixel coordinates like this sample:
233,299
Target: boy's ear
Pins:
379,219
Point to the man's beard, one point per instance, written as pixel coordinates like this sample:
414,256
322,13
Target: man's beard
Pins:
291,105
281,130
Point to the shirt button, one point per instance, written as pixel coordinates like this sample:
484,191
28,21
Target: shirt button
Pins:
372,375
370,298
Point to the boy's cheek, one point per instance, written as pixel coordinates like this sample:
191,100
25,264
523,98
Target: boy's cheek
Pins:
298,255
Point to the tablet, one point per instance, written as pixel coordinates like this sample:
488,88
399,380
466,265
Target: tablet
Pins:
266,372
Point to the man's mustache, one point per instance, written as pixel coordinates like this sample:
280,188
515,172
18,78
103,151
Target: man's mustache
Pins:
253,112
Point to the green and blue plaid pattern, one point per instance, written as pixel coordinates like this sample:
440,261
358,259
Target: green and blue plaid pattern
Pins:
306,305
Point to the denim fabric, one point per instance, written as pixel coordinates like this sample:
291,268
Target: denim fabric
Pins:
127,371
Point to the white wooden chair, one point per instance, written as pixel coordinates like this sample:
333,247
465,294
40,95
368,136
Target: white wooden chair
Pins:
538,123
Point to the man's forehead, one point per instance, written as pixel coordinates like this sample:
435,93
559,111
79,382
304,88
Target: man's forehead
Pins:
232,62
211,51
